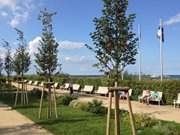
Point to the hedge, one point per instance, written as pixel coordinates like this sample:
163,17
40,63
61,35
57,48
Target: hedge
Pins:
170,88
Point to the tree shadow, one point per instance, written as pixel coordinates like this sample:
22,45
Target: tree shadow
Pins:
60,120
25,129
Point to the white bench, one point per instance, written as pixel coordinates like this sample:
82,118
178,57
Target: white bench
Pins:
177,101
76,87
102,90
36,83
88,89
30,82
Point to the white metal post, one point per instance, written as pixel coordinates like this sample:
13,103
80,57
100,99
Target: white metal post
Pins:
161,49
139,42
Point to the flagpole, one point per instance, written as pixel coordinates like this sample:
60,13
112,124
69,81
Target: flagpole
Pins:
139,42
161,49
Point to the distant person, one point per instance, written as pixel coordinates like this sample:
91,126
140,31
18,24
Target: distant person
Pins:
146,97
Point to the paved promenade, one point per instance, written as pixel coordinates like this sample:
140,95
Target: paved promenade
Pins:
14,123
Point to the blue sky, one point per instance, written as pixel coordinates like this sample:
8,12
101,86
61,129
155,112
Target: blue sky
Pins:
73,23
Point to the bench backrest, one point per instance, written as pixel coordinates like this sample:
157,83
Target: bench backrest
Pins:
178,98
88,88
76,87
102,90
36,83
66,85
30,82
130,92
160,94
42,84
56,85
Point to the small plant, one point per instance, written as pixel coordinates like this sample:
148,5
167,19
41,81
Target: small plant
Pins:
37,93
65,100
142,121
167,129
79,105
96,107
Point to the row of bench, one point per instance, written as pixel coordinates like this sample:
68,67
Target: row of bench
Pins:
75,87
90,89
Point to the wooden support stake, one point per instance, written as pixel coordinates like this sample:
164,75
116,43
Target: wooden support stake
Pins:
116,113
109,114
16,98
27,100
21,94
55,105
49,102
41,102
131,115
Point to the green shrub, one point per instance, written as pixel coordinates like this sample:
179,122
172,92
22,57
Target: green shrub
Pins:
2,79
7,87
141,121
170,88
96,107
167,128
37,93
65,100
79,105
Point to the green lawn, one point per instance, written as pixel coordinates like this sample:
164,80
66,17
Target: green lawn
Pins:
77,122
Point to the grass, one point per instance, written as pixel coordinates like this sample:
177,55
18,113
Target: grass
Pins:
77,122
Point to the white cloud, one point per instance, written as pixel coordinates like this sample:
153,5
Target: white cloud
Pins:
18,18
173,20
4,14
76,59
8,3
70,45
2,52
19,11
33,45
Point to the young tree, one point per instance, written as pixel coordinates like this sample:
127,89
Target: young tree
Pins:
8,61
46,58
21,61
114,39
1,66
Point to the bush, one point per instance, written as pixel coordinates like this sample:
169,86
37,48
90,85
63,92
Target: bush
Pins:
141,121
79,105
65,100
37,93
96,107
170,88
167,129
7,87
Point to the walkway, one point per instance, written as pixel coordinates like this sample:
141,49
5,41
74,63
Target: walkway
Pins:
164,112
14,123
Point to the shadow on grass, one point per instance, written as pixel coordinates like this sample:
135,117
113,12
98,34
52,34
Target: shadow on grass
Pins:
25,107
60,120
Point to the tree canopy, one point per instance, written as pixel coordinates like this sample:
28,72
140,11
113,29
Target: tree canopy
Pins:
46,58
21,61
114,39
8,61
